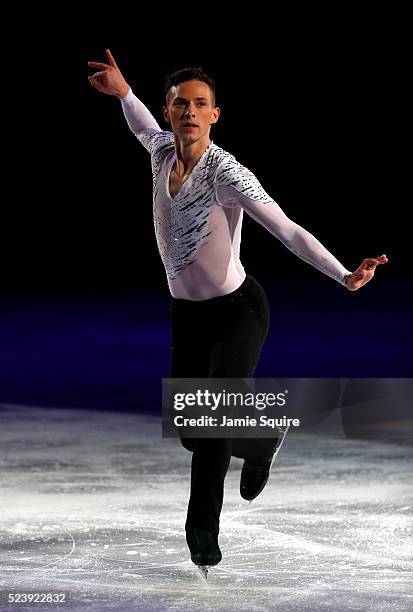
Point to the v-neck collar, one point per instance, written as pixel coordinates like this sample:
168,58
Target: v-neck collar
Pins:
190,177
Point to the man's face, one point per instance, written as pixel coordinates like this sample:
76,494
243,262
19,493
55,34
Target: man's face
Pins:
190,111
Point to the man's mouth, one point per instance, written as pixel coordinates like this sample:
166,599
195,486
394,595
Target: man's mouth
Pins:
189,125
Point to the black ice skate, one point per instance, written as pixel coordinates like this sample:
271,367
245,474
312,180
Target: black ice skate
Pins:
204,548
255,477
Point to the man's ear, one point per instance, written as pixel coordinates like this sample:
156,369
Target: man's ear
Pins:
215,115
165,114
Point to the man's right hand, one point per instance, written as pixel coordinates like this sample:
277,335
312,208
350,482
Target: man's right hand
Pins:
109,79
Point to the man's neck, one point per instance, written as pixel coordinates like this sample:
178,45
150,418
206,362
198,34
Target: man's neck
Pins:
187,156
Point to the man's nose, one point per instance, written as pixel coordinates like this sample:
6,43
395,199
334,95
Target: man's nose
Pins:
189,111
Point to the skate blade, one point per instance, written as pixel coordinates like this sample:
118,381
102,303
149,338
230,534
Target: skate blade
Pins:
280,445
203,570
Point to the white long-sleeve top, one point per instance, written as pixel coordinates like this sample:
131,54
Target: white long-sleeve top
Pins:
199,230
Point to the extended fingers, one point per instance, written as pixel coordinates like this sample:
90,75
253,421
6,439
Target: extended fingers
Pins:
111,59
98,65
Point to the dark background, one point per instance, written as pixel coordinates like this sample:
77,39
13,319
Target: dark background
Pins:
317,115
315,105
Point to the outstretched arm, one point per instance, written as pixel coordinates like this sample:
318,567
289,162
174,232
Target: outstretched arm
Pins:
110,80
308,248
238,186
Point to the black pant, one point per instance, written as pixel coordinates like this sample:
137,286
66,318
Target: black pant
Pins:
218,338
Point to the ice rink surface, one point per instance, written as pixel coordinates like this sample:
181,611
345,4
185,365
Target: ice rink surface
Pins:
93,504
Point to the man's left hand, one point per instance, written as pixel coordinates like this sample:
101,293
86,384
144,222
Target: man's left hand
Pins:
364,272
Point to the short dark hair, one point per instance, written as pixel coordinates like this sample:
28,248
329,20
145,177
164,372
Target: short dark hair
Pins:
193,73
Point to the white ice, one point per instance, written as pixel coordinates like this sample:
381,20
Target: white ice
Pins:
94,504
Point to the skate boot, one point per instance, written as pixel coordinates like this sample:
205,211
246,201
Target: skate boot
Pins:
204,549
255,477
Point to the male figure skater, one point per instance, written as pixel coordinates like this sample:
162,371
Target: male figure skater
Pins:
219,314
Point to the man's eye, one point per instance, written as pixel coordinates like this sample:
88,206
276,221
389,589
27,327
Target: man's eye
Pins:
202,103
